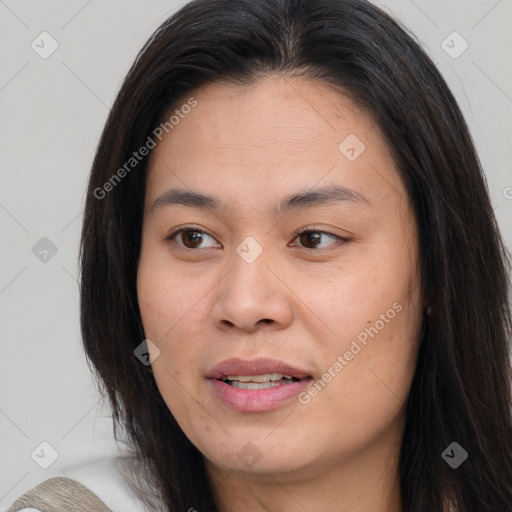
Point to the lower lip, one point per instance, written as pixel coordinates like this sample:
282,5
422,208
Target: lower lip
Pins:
257,400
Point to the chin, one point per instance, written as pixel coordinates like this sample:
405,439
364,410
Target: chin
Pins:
257,455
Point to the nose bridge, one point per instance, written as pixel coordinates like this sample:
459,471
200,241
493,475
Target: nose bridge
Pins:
250,269
251,292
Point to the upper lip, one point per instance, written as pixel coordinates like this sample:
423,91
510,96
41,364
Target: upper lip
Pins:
260,366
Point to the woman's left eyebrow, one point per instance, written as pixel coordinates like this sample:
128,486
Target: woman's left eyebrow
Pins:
329,194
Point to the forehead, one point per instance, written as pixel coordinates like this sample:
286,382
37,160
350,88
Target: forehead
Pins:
277,132
277,111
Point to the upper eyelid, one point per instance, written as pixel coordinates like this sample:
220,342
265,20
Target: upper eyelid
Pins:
306,229
188,228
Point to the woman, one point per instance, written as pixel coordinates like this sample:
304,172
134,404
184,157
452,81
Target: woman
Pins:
294,291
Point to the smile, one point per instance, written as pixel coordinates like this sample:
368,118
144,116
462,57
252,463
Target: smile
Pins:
264,381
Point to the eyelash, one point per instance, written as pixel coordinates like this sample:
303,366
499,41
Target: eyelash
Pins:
308,229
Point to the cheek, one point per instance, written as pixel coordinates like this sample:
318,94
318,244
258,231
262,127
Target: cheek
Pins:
173,309
368,391
170,299
165,325
172,329
380,362
374,319
349,298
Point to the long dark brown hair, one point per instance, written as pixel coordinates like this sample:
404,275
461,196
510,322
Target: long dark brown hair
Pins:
461,389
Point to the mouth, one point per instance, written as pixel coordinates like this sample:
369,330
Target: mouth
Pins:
256,370
256,385
265,381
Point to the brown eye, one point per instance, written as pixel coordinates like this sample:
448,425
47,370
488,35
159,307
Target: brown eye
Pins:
193,238
189,238
310,238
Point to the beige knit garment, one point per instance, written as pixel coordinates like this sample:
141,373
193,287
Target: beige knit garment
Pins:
60,494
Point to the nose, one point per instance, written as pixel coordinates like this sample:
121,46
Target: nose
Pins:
252,296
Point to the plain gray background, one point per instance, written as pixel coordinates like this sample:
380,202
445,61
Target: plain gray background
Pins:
52,112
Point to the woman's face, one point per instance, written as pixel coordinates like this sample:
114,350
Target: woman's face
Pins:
242,294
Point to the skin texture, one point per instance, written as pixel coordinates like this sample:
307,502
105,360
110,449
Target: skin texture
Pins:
251,146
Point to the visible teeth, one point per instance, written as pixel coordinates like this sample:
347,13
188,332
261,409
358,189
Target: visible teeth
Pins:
254,385
268,377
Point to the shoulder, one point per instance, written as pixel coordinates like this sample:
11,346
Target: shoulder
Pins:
59,494
106,482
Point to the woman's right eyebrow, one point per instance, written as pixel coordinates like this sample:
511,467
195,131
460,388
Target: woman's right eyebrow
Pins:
327,195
